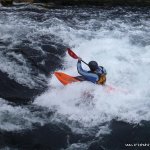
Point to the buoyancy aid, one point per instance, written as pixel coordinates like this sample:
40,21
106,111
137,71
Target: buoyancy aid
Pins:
101,72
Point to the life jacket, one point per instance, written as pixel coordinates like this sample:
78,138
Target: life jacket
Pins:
101,72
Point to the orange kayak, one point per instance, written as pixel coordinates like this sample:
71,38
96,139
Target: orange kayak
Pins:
66,79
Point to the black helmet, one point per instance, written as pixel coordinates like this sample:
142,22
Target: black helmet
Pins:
93,65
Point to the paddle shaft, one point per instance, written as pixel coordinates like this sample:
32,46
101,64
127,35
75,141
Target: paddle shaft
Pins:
84,62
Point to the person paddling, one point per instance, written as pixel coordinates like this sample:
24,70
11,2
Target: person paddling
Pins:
96,74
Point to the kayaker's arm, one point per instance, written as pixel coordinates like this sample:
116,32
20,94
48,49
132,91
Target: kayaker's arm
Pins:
79,68
89,76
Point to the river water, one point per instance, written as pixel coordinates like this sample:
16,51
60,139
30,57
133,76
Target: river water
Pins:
37,112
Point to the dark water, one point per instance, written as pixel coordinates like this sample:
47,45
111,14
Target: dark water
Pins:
33,40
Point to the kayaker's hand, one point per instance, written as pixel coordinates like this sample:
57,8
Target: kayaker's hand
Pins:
79,59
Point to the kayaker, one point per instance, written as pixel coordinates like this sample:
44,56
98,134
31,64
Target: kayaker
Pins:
97,74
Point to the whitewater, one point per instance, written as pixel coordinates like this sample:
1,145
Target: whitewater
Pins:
127,65
117,39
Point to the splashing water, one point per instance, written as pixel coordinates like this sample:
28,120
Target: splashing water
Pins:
127,66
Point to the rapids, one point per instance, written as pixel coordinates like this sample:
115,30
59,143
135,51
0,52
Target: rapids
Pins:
33,40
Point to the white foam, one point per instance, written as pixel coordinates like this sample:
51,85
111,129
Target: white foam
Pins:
21,73
127,66
127,70
16,117
11,33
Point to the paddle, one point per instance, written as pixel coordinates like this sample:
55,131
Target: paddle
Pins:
73,55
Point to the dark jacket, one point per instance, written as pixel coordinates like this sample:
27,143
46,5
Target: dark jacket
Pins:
91,76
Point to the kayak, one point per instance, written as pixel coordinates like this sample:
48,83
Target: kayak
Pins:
67,79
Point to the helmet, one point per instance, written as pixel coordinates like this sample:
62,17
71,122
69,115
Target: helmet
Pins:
93,65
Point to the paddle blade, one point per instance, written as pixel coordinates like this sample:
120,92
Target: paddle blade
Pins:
72,54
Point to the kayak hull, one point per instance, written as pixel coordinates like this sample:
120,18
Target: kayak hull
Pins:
66,79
